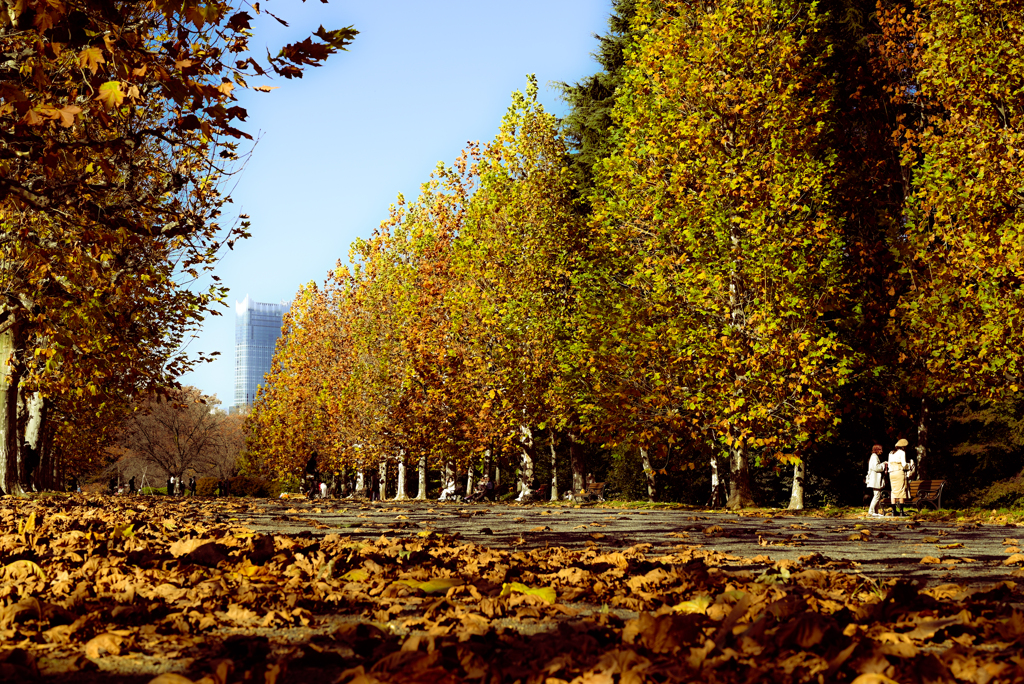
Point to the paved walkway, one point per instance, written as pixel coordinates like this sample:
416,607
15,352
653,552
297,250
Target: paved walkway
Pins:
879,548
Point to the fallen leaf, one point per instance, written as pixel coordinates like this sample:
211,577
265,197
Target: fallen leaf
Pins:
103,644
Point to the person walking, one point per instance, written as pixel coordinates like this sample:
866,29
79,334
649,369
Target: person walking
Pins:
897,467
192,485
131,485
876,466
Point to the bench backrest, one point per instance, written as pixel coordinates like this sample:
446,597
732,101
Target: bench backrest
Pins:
927,488
595,487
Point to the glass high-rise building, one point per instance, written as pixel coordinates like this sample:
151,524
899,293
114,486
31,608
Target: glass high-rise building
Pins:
257,327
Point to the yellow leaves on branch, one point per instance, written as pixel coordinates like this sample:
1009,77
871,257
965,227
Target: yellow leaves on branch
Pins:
110,94
90,58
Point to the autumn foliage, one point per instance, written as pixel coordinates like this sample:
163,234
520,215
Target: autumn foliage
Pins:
804,222
119,125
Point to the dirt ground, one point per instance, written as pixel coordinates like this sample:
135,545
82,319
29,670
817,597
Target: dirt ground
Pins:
904,547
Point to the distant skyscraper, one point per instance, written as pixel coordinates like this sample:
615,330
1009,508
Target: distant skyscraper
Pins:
257,327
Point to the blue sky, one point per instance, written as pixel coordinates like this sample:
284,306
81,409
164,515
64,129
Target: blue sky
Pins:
336,147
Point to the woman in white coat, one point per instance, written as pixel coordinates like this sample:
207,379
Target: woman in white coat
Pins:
876,466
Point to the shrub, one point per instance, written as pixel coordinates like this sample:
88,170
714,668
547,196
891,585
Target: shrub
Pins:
242,485
206,486
1005,494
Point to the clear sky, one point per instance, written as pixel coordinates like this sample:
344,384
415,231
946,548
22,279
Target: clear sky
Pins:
336,147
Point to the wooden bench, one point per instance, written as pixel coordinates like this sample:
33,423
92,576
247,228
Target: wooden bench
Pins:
593,492
921,493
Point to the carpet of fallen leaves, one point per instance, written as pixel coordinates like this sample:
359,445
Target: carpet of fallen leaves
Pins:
170,592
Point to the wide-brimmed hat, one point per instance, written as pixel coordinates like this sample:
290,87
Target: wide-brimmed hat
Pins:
902,443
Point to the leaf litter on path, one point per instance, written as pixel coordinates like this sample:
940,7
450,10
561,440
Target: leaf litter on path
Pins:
180,591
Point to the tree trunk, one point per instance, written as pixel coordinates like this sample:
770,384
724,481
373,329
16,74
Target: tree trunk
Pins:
23,427
526,467
717,498
361,481
740,494
652,484
449,475
922,439
9,418
554,466
796,499
383,484
421,492
401,494
32,406
578,460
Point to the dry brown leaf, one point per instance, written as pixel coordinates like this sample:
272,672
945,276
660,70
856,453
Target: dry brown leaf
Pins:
930,560
174,678
103,644
873,678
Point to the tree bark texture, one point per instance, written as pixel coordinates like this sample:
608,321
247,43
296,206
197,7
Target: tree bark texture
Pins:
578,461
401,494
652,483
25,436
554,466
796,498
526,467
740,494
421,491
717,497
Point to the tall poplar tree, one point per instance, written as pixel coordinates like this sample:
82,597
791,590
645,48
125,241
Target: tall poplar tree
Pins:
722,247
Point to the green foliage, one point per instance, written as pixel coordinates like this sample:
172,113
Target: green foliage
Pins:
722,175
962,242
589,126
1005,494
768,232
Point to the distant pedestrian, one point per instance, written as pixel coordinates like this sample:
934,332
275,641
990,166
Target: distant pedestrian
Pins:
374,486
170,486
876,466
898,477
323,490
112,485
192,485
131,485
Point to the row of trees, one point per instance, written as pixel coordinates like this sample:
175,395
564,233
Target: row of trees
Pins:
179,433
805,216
118,122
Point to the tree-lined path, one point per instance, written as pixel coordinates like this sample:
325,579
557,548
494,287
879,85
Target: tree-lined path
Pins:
933,551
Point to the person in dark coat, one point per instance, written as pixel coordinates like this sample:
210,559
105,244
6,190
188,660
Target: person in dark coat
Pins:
192,485
131,485
170,486
374,486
